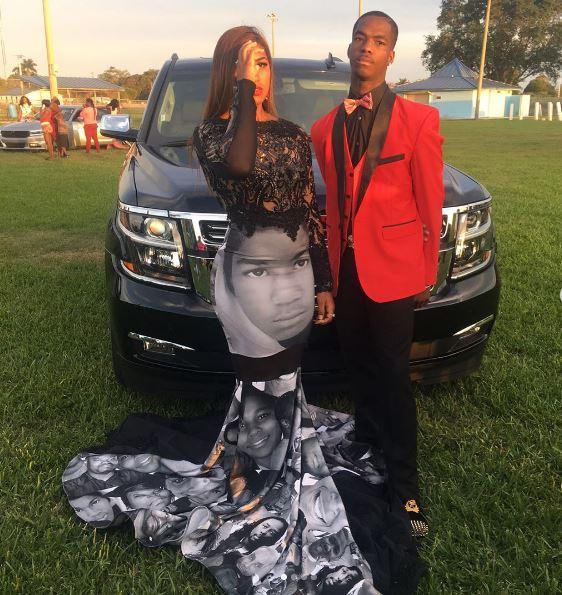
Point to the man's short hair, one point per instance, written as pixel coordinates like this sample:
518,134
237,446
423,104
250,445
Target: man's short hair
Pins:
380,15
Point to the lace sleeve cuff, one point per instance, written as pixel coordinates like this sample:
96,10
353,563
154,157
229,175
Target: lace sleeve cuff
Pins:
321,268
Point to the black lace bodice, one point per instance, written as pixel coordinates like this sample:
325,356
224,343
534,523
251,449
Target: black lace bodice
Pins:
262,174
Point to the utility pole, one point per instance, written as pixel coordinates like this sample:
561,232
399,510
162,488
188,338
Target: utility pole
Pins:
50,53
360,7
273,18
2,46
20,57
482,59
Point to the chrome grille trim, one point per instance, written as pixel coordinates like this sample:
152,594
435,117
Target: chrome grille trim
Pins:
143,211
15,133
213,232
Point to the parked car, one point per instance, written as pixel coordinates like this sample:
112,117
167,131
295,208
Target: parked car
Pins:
167,226
29,136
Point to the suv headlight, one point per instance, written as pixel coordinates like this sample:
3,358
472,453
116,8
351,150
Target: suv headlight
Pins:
474,241
155,247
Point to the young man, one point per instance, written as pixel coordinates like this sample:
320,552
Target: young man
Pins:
381,158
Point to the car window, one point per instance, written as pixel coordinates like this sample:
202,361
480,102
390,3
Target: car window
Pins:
303,100
181,107
101,111
300,97
67,112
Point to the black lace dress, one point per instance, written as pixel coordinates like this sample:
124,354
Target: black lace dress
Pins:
276,498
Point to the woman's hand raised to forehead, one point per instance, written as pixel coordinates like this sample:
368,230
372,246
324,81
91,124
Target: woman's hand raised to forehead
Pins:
248,55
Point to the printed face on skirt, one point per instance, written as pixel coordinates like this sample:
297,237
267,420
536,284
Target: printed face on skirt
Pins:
104,463
259,431
258,563
155,527
321,505
268,529
312,459
151,498
344,577
202,490
145,463
330,547
93,509
273,282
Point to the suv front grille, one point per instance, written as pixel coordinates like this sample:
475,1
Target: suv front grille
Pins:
213,232
15,133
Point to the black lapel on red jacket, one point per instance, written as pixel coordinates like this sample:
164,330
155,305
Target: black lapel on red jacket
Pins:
339,159
376,142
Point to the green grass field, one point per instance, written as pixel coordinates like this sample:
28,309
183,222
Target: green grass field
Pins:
489,445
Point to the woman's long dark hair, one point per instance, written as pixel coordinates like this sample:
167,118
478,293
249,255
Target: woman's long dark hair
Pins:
24,99
221,86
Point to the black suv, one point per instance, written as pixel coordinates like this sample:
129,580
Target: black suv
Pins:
167,226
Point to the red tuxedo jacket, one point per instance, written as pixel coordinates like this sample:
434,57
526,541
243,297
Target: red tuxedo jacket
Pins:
385,199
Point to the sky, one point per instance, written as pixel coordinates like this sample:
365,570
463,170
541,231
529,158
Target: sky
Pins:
140,34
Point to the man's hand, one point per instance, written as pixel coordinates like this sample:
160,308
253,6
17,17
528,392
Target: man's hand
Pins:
422,298
326,307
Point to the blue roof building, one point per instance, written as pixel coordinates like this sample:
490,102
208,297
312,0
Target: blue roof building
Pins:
75,87
452,90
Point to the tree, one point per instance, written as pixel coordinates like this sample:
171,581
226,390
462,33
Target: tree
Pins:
541,87
402,81
525,38
28,67
114,75
138,86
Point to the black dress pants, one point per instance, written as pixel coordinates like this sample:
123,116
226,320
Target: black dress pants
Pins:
375,340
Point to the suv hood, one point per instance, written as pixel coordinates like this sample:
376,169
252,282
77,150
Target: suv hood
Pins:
162,185
460,188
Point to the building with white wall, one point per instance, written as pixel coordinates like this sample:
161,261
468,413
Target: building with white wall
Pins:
452,90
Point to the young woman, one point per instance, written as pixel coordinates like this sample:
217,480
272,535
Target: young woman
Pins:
46,119
113,107
61,127
89,116
264,281
25,111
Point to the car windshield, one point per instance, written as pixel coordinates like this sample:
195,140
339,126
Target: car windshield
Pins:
66,112
300,97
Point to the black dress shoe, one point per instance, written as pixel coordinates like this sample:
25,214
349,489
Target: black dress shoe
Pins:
420,526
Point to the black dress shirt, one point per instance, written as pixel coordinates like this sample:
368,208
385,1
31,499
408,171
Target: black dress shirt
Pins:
359,123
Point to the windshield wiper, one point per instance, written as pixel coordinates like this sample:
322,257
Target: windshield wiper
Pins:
178,143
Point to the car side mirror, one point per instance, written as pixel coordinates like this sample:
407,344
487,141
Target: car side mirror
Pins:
118,127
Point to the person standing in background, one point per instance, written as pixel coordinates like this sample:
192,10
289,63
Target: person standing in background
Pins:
25,111
55,101
113,107
61,128
89,116
46,119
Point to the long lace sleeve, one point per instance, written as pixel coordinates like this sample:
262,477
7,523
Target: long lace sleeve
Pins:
317,238
232,153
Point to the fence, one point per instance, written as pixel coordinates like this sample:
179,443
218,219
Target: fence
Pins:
549,108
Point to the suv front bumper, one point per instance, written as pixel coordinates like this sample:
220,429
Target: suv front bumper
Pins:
170,342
